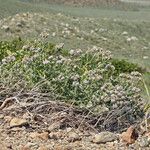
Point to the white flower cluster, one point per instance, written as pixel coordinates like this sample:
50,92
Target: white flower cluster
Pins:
133,38
133,77
59,46
76,52
5,27
8,59
94,75
44,34
28,60
31,48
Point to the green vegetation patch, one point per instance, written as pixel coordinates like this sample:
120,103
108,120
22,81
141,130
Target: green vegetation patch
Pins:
125,66
87,78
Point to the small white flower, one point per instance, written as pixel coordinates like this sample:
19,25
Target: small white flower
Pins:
136,73
5,27
67,25
59,61
92,31
145,57
68,32
133,38
75,83
72,52
25,47
118,87
59,14
102,30
85,82
125,33
51,57
136,90
53,34
45,62
75,77
128,39
78,51
59,46
113,100
89,104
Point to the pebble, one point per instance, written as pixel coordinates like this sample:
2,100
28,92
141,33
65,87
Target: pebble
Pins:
43,136
43,148
17,122
72,137
1,116
130,136
54,126
104,137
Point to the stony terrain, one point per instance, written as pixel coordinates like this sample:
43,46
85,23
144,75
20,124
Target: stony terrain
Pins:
22,133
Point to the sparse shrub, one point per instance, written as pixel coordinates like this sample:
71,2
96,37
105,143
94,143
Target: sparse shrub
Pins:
87,78
122,66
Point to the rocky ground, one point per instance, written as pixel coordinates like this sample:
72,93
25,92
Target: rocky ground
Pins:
18,137
22,130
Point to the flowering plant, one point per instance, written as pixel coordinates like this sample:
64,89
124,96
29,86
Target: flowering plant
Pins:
86,77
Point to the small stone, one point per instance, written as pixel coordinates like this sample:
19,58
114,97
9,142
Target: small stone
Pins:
29,145
53,136
111,144
17,129
25,148
54,126
7,118
63,147
69,129
56,135
72,137
34,135
130,135
17,122
1,116
43,136
58,147
104,137
25,116
43,148
147,134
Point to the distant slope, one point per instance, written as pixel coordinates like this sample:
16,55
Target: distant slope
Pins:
141,2
12,7
78,2
127,12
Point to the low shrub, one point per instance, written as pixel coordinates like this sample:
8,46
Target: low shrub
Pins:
88,78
